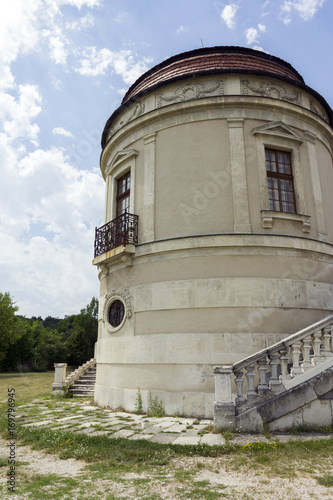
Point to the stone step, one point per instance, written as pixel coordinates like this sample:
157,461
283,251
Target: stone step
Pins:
88,378
79,384
85,384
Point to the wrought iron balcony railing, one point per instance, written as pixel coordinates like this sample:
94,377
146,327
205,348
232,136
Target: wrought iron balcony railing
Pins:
120,231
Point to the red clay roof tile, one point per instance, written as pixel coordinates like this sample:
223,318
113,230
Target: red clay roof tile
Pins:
215,59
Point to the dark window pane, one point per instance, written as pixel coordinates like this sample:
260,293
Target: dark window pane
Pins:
280,181
116,313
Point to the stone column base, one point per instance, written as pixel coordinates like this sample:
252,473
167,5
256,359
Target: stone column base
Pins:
57,388
224,416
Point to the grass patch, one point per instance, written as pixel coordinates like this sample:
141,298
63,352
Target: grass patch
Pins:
325,481
307,428
28,386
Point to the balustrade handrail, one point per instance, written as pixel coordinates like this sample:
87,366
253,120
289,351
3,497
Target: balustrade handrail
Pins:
285,343
120,231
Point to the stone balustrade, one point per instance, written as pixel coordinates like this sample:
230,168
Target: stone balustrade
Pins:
75,375
272,371
61,382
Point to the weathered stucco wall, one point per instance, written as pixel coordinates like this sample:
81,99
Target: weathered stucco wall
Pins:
216,275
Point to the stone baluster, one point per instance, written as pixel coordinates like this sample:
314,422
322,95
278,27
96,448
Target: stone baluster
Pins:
262,369
239,387
251,393
306,348
316,344
59,378
224,408
284,358
295,355
327,341
274,364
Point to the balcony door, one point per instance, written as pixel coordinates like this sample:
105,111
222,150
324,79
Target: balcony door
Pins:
123,194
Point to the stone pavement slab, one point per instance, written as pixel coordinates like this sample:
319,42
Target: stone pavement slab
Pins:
166,430
39,424
124,433
138,436
177,428
164,438
213,439
187,440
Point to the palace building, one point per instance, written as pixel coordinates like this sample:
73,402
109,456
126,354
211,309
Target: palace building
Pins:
218,231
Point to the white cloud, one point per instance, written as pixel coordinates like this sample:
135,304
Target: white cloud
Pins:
84,22
305,8
44,191
252,34
58,52
97,62
228,15
79,3
182,29
17,113
62,131
120,18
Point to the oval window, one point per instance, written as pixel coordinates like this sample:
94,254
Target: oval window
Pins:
116,313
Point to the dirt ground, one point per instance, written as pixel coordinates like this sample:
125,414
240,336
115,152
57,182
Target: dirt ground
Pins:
224,481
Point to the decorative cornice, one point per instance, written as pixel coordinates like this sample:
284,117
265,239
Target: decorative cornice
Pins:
315,110
137,110
189,92
272,90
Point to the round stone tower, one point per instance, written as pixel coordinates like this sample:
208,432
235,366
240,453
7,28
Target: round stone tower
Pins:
218,235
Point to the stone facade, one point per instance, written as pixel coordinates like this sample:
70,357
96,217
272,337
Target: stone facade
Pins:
217,274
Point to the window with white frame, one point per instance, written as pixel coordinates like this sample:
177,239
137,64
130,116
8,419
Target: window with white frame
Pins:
280,180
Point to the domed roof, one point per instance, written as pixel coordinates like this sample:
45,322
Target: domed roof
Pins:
213,60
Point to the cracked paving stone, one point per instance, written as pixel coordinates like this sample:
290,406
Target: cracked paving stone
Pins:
164,438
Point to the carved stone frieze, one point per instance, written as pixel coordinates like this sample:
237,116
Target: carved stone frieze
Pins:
318,112
188,92
125,295
274,90
127,117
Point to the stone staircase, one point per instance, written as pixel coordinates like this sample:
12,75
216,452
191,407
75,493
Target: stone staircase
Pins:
82,381
287,385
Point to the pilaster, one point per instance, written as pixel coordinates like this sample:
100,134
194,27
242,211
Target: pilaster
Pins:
317,194
148,219
238,176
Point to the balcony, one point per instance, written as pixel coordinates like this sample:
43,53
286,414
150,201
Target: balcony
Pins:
121,231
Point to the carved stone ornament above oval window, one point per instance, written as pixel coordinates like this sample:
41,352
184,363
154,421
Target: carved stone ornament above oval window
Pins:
117,308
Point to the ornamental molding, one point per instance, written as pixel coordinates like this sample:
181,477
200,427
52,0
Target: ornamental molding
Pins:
317,111
127,117
272,90
268,216
189,92
113,295
278,129
123,156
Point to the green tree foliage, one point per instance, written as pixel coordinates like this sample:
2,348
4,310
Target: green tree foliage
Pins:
34,343
11,330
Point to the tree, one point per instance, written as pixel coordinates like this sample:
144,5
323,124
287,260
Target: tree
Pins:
9,332
80,334
49,348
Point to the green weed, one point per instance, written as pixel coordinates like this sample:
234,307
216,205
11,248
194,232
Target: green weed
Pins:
138,403
155,407
325,481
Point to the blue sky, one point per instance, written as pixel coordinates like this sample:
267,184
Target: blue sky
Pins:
64,67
